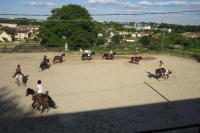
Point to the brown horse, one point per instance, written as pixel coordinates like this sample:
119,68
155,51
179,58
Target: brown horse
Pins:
136,59
38,101
109,56
58,58
161,74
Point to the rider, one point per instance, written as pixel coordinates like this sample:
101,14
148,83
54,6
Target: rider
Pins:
162,66
88,52
18,72
45,61
40,92
111,52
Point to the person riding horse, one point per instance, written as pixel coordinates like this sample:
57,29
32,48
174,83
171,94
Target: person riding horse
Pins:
88,52
18,72
161,71
87,55
136,58
109,55
45,63
40,92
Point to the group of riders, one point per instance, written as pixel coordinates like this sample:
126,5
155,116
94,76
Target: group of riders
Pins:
39,89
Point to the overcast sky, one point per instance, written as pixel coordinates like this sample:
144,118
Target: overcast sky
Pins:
113,6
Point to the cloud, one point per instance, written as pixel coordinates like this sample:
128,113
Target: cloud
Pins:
100,1
40,4
115,3
145,4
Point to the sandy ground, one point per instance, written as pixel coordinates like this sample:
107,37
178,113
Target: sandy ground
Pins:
100,95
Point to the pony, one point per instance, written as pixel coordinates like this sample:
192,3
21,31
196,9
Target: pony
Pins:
43,100
136,59
85,56
58,58
44,66
109,56
161,74
21,80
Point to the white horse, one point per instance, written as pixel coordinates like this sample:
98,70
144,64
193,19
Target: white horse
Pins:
21,80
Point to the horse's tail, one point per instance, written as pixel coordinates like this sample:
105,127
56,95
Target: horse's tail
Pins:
83,56
104,56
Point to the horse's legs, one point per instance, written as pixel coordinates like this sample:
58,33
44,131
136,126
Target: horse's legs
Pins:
18,82
33,105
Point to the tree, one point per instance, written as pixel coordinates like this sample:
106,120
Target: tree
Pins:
145,41
72,24
100,41
117,39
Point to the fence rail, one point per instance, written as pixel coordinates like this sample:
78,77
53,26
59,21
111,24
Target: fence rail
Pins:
30,48
129,51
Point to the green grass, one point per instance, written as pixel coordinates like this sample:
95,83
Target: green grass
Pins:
13,45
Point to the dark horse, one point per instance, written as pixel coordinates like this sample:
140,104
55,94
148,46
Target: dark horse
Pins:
44,65
109,56
85,56
58,58
25,79
43,100
136,59
161,74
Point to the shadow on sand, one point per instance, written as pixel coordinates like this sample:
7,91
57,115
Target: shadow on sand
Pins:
151,75
114,120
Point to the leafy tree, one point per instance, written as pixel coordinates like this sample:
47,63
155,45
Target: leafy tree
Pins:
72,24
145,41
100,41
117,39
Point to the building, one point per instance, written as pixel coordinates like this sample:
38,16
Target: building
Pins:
26,32
192,34
8,25
4,37
138,26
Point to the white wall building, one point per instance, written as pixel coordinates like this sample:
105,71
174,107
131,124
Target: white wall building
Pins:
8,25
5,37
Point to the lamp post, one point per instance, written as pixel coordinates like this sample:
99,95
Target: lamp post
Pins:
163,39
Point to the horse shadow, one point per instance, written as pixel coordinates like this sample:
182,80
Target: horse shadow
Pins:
151,75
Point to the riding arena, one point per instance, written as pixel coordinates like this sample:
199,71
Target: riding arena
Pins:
100,95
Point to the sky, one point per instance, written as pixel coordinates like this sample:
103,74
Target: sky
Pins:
112,6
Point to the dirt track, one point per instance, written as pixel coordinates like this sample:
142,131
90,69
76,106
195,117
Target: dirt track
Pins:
101,95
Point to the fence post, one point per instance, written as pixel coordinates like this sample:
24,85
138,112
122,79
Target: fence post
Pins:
183,51
195,52
170,51
5,49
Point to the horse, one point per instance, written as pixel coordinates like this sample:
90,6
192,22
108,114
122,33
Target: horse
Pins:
85,56
44,66
44,100
21,79
161,74
109,56
58,58
136,59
